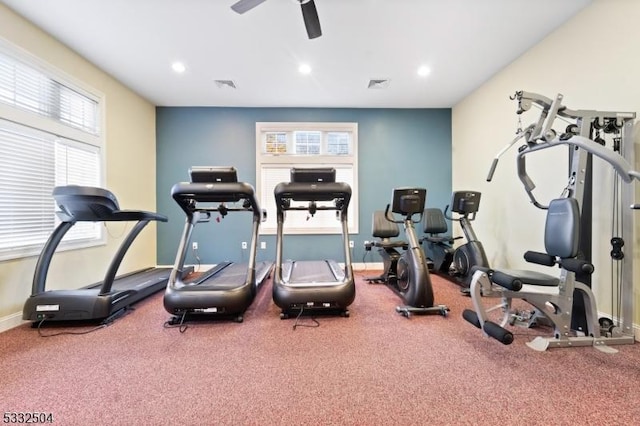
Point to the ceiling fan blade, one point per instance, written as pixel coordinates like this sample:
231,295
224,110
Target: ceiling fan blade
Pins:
311,21
243,6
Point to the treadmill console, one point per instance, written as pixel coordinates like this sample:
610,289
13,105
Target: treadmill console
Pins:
465,202
213,174
313,175
408,201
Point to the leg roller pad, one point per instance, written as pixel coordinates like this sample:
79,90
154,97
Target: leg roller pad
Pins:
471,317
500,334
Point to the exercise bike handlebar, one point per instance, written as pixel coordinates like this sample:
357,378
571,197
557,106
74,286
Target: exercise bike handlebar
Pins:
468,216
448,216
390,217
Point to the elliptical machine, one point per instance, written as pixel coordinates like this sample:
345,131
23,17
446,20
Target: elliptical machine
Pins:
406,274
455,263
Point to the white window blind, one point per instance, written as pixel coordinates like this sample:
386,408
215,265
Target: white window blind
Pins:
27,173
32,163
25,87
281,146
49,136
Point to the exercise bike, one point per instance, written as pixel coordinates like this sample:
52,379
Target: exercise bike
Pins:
405,273
455,263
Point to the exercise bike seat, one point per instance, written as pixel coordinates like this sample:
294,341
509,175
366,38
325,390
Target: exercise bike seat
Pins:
435,225
385,230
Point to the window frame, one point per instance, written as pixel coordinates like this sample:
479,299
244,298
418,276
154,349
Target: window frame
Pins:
55,126
281,160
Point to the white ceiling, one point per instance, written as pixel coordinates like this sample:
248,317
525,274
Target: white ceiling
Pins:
464,42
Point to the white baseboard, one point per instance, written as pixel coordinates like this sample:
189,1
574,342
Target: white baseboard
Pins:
373,266
11,321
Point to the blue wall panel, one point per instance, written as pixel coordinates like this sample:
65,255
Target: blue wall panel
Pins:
396,147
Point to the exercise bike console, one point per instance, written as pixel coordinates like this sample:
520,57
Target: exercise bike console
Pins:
408,201
465,203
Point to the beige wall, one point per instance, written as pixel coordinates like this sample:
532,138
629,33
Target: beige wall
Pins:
594,61
130,173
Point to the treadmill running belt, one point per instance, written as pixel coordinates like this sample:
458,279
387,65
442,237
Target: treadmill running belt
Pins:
141,280
312,271
233,276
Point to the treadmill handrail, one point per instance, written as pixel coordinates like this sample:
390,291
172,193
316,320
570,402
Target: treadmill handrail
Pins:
319,191
188,194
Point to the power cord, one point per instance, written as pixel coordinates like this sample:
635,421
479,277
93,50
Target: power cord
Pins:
180,325
315,324
364,262
107,322
195,253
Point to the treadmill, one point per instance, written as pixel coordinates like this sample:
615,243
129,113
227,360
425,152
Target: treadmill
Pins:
316,286
101,301
227,289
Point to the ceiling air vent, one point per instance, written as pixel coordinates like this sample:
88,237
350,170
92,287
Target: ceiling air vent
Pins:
225,83
378,83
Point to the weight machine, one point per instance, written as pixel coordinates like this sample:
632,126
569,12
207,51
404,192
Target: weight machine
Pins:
567,302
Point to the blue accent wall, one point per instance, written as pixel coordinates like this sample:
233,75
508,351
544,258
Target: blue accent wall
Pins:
396,148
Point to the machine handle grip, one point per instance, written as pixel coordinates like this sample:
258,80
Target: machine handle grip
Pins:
494,164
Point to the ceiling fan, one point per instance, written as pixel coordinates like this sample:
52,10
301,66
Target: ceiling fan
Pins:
309,14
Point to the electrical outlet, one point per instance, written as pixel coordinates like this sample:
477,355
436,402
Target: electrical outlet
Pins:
194,245
263,245
366,243
244,245
350,244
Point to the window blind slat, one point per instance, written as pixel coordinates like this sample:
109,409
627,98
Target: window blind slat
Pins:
30,89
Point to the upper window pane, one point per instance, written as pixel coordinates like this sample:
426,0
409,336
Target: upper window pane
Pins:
275,143
308,143
338,143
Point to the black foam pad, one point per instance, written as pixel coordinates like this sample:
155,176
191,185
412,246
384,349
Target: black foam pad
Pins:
539,258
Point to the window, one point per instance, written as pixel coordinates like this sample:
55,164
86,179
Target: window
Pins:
281,146
49,136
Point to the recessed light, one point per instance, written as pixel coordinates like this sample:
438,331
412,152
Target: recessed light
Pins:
178,67
304,69
424,71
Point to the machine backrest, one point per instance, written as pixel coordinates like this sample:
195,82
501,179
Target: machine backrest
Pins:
383,228
434,221
562,228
